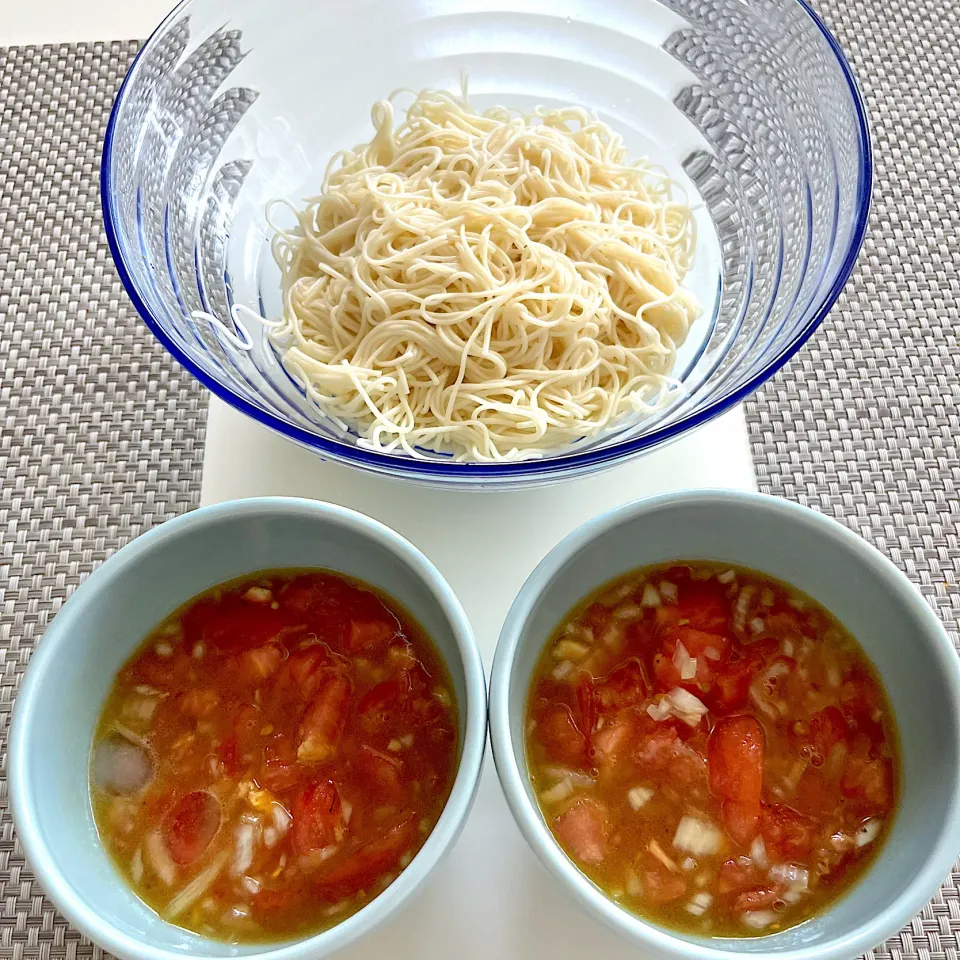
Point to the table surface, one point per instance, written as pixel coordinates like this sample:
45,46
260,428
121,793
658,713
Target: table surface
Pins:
103,435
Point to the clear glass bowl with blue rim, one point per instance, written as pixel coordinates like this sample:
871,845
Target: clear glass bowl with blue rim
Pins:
751,107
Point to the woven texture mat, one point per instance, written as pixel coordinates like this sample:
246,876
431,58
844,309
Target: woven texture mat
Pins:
102,434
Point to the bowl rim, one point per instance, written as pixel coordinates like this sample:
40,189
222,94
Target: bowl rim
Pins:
511,770
30,702
530,470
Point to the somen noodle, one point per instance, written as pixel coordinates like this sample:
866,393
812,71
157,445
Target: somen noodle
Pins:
488,285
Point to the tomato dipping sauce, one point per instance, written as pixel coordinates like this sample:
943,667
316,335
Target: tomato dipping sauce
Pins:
712,749
274,755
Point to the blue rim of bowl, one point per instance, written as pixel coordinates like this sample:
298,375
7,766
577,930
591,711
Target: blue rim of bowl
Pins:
530,469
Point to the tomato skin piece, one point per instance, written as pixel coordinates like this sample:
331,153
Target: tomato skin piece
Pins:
736,875
278,766
323,723
317,814
380,704
560,736
356,870
381,771
786,832
741,820
586,701
365,636
869,781
661,885
825,730
756,899
735,755
582,829
625,686
189,827
239,748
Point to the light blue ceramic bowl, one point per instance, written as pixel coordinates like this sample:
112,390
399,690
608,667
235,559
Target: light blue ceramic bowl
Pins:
876,602
105,620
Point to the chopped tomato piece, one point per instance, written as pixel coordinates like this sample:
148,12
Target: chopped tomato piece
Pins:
613,743
357,869
625,686
741,820
698,643
233,623
562,740
787,833
198,703
582,829
190,826
814,794
868,780
737,875
704,606
381,770
825,730
661,885
317,817
238,750
735,756
756,899
278,768
260,663
322,725
663,753
380,704
366,635
731,687
307,667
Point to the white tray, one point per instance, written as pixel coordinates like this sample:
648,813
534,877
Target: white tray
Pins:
490,899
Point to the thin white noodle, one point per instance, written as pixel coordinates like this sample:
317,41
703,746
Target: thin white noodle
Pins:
488,285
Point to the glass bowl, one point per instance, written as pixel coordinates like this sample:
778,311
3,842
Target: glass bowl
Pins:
751,107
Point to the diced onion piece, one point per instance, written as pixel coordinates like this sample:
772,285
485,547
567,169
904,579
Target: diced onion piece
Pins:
251,885
281,819
686,706
633,886
198,886
741,607
559,791
763,686
612,637
662,856
346,808
787,648
868,831
790,875
660,709
578,779
651,596
160,862
841,842
407,740
758,919
668,591
245,838
639,797
163,649
627,611
688,865
563,669
270,837
699,904
685,664
394,746
757,625
727,576
121,766
767,598
570,650
834,678
712,653
758,852
698,837
258,595
136,866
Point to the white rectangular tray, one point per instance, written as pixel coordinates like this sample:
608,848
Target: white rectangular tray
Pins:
490,899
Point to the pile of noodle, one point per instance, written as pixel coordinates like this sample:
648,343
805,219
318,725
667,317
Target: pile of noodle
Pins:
485,285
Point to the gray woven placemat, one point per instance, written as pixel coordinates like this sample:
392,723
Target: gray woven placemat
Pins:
102,433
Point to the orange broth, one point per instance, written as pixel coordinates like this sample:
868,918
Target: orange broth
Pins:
274,755
712,749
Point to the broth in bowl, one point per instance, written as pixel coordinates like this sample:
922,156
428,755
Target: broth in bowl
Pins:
712,749
274,755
